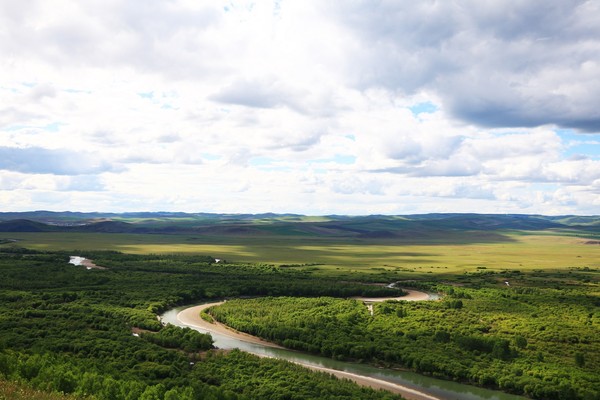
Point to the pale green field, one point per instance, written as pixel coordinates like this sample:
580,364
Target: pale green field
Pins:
531,251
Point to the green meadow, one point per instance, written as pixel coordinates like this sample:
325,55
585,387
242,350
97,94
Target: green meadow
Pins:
518,308
463,253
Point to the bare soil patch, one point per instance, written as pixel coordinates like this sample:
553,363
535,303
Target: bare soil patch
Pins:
89,264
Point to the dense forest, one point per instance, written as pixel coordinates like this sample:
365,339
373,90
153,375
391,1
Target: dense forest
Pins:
68,329
94,333
537,335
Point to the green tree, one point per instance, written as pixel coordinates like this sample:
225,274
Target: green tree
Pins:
520,342
155,392
579,359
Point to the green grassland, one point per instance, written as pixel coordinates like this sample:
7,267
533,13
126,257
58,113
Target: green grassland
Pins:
536,336
467,251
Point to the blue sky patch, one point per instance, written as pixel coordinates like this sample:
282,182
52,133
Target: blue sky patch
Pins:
426,107
260,161
146,95
210,157
344,159
53,127
338,159
267,164
579,144
13,128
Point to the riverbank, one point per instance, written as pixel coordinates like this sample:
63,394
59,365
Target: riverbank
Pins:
412,295
191,317
87,263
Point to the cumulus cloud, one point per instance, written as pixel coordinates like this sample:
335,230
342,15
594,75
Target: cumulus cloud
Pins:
237,106
262,93
46,161
496,64
29,182
146,36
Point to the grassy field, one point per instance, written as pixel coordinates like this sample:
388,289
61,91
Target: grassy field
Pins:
470,334
466,253
19,391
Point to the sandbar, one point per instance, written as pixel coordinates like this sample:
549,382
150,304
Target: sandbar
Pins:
412,295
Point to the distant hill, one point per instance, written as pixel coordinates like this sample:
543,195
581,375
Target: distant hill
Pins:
361,227
489,221
104,227
24,225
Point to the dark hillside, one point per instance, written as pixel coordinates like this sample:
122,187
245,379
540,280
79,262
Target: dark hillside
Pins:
24,225
336,226
104,227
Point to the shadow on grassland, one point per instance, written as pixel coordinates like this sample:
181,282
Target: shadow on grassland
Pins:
344,236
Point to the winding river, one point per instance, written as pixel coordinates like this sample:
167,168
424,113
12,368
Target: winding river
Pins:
409,384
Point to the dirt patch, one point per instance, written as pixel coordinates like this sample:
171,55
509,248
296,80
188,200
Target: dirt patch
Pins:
89,264
413,295
137,330
204,354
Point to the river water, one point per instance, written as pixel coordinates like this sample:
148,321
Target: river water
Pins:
443,390
76,260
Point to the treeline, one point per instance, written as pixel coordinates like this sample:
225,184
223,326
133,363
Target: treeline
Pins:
67,329
535,340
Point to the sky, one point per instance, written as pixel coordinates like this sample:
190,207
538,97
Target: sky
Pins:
300,106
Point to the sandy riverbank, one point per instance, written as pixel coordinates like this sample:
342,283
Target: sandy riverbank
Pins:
407,393
413,295
191,316
87,263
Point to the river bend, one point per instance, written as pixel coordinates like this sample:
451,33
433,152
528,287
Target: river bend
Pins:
410,385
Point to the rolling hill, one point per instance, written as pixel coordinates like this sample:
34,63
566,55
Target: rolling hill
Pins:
362,227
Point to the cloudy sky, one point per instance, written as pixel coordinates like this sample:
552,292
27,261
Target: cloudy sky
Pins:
314,107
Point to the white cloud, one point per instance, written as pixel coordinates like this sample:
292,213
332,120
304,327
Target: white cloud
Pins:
44,161
496,63
240,106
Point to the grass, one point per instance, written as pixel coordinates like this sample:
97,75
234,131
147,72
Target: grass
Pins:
17,391
515,250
